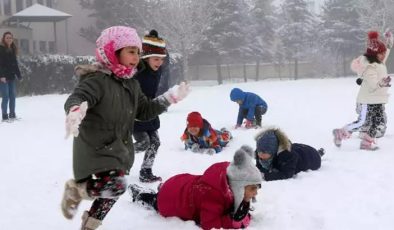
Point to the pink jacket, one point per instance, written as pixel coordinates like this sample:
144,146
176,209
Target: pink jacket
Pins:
207,199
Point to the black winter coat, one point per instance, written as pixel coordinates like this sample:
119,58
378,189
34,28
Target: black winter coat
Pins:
8,64
149,81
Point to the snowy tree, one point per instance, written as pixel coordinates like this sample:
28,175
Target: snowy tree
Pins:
131,13
226,35
262,31
341,31
297,30
376,15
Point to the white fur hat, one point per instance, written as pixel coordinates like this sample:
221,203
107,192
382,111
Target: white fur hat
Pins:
242,172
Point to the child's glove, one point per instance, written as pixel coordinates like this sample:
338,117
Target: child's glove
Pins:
74,118
195,148
177,93
388,38
359,81
210,151
248,124
385,82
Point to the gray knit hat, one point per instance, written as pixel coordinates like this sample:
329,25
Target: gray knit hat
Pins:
242,172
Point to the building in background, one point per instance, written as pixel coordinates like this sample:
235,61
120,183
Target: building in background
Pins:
40,37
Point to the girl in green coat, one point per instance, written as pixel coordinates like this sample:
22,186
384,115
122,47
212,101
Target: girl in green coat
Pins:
100,112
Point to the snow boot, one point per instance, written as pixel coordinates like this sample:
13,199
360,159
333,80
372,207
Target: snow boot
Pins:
4,117
89,223
339,135
146,197
321,152
73,194
146,176
368,143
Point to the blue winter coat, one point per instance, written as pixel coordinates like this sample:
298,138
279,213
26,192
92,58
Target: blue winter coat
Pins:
149,81
249,102
290,159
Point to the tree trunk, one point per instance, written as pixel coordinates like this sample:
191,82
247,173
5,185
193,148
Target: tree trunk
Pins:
219,70
295,68
344,63
197,72
257,69
244,69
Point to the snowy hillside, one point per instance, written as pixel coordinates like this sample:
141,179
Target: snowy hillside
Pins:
352,190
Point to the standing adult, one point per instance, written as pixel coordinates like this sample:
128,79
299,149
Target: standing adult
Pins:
9,72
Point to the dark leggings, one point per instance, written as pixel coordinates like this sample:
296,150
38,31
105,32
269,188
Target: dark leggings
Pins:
105,188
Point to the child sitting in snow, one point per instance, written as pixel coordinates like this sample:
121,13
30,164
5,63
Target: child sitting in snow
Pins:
251,108
220,198
199,135
277,158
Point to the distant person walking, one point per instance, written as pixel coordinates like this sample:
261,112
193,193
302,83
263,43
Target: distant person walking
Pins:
9,71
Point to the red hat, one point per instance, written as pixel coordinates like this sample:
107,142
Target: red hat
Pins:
375,46
194,119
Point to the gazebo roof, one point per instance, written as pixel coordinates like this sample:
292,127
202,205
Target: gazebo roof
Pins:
39,13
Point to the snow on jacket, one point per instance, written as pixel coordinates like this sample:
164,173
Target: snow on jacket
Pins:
149,82
210,138
207,199
104,141
249,102
372,73
291,159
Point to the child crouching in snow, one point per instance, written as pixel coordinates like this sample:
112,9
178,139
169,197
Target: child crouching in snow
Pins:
220,198
251,108
277,158
100,112
200,137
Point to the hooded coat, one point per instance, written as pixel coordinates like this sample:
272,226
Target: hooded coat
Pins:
290,158
249,103
104,141
207,199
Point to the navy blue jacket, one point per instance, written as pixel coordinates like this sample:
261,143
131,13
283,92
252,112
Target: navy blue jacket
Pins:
149,81
286,164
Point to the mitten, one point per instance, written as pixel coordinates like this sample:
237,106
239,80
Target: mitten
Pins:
195,148
248,124
241,217
385,82
74,118
210,151
388,38
177,93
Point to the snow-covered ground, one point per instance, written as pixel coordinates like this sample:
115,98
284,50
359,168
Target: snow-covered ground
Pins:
352,190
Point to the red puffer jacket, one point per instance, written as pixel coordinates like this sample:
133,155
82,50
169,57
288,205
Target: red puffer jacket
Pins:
206,199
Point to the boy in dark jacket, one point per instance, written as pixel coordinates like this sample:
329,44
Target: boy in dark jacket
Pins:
251,108
100,112
218,199
146,132
277,158
200,137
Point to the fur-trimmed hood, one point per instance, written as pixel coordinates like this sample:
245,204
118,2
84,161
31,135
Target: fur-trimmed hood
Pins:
283,141
83,70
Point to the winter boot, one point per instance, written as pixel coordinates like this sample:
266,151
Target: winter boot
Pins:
339,135
89,223
4,117
368,143
321,152
73,194
146,197
146,176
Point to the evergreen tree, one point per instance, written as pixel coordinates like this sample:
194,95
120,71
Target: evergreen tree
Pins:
262,29
226,36
341,30
297,30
